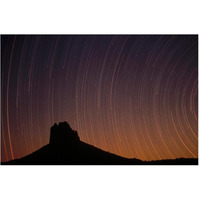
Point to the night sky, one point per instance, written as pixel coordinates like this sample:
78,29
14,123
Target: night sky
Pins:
132,95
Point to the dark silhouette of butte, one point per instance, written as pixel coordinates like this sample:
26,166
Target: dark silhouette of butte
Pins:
62,134
66,148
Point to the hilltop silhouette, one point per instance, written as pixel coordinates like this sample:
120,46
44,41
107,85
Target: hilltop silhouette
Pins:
66,148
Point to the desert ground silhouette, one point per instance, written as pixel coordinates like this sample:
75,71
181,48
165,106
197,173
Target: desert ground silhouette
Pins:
66,148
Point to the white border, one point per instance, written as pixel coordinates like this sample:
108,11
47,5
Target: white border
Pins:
99,17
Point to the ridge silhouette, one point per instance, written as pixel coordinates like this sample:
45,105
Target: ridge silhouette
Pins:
66,148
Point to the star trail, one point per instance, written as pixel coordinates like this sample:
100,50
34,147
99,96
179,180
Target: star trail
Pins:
132,95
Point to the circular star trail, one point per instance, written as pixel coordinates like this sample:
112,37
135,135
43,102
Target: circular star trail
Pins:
132,95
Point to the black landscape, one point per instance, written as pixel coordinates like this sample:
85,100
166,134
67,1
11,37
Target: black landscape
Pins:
66,148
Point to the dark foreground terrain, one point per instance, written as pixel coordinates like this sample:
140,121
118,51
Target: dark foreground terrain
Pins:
65,148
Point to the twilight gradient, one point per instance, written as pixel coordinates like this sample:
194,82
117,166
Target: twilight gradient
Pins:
132,95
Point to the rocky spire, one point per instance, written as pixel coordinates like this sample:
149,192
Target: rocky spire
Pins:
63,134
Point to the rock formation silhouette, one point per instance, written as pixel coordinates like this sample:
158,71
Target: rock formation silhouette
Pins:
66,148
62,134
